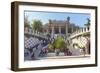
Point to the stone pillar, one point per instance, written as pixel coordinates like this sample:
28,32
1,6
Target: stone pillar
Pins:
72,29
52,31
86,29
66,29
81,30
47,30
26,29
59,30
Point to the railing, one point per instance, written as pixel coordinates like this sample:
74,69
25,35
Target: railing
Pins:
31,32
34,45
79,32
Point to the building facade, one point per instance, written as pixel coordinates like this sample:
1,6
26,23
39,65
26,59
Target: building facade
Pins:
60,27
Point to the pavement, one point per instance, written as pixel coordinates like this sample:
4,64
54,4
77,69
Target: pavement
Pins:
61,56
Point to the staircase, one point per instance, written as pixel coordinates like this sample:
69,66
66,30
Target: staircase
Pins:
33,47
75,52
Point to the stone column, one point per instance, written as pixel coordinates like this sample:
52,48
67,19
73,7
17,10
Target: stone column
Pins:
52,31
66,29
47,30
26,30
59,30
72,29
86,29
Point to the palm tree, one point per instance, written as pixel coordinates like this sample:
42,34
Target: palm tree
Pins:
68,18
37,25
88,22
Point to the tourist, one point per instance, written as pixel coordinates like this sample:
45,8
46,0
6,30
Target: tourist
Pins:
57,52
66,51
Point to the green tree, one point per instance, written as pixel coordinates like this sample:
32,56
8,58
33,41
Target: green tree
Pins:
88,22
37,25
50,47
59,43
68,18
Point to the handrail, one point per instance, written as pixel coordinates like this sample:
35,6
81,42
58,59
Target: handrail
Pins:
80,31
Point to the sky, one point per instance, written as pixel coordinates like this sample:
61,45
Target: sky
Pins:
77,18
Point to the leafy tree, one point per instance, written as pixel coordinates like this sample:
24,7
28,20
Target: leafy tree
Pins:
59,43
37,25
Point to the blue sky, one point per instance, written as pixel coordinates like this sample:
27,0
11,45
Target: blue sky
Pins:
76,18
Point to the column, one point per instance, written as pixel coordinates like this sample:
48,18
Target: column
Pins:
26,30
87,29
72,29
80,29
52,31
66,30
47,30
59,30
